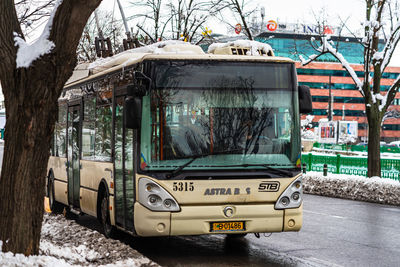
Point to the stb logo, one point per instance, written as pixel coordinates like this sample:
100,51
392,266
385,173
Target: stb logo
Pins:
272,25
267,186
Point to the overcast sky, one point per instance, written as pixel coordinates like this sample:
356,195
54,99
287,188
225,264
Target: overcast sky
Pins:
288,11
285,11
282,11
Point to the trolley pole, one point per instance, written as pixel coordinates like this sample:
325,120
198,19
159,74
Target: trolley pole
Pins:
96,17
129,42
102,45
127,32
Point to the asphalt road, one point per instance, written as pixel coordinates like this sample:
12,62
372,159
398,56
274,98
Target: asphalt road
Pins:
335,232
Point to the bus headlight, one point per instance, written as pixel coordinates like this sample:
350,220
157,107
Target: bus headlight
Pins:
292,197
296,196
156,198
285,201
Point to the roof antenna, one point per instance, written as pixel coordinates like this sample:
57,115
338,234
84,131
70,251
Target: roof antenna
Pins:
129,42
102,45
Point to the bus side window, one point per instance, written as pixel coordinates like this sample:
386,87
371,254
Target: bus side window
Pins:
103,133
60,132
53,144
88,129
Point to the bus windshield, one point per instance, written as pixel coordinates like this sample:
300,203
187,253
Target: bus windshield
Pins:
220,115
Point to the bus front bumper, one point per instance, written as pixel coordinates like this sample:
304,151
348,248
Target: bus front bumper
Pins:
196,220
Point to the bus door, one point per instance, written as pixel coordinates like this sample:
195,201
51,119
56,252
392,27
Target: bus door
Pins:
74,114
124,171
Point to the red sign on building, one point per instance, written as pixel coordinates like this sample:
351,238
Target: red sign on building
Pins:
272,25
238,28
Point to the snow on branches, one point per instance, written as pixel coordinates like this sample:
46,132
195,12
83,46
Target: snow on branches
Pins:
326,47
27,53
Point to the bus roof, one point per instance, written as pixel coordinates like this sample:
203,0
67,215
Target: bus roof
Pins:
171,50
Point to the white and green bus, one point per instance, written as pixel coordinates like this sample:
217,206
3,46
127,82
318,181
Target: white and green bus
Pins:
174,141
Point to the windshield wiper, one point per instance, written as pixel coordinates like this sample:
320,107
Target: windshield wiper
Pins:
266,166
180,168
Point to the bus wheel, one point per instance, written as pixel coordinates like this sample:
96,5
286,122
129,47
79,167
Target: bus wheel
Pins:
236,235
108,229
55,206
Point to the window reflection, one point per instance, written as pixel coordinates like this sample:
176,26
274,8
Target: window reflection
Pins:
184,123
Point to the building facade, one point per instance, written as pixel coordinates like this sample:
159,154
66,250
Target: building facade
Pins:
327,77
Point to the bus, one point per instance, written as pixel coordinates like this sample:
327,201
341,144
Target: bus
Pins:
169,140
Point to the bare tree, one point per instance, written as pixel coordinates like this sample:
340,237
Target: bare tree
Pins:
31,89
153,12
113,29
32,13
189,16
240,13
375,62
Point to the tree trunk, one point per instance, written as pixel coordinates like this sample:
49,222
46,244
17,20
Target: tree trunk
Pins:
31,96
28,139
374,138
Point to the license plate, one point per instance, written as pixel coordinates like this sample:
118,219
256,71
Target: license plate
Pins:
227,226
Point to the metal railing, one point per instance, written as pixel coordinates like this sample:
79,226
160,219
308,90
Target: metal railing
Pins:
340,164
355,148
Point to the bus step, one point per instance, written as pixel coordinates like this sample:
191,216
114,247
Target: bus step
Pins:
74,211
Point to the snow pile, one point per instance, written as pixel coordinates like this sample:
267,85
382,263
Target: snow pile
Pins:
163,47
253,45
9,259
28,53
306,125
66,243
308,135
347,139
375,189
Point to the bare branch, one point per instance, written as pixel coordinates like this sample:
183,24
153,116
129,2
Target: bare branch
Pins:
389,47
143,30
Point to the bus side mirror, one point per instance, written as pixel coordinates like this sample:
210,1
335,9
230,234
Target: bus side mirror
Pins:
133,112
305,101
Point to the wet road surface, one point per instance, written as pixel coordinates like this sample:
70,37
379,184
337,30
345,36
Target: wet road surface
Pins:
336,232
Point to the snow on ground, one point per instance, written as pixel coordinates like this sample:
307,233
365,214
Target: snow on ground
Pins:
66,243
375,189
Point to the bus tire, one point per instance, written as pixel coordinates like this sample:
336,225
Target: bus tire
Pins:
55,206
108,229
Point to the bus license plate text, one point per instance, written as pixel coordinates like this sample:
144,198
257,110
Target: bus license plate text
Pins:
227,226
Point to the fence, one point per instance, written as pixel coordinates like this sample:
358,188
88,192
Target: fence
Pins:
339,164
356,148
